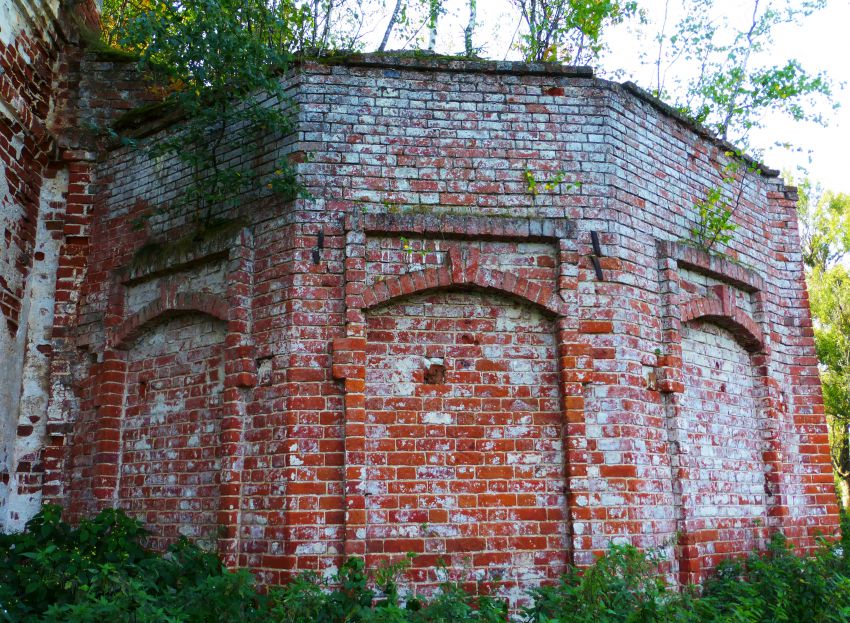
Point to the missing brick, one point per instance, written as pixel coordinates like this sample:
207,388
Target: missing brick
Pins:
435,374
264,371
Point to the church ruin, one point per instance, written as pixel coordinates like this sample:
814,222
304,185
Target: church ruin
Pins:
425,355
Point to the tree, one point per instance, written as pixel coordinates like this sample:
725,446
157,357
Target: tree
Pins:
469,49
567,31
825,233
404,16
434,10
721,82
115,14
717,70
223,60
394,18
333,25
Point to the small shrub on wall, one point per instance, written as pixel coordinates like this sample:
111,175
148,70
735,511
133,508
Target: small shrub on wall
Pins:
100,571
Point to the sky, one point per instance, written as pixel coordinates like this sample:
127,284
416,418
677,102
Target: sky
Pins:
820,42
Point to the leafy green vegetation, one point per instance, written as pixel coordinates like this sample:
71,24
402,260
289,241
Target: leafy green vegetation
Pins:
714,224
101,571
568,31
717,73
222,60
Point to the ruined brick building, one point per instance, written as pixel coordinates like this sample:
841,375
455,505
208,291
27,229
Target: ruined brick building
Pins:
426,354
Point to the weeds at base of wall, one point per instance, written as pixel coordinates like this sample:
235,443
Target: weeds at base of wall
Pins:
101,571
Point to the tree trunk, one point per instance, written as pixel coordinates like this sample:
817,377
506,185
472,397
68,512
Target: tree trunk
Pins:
433,18
844,492
470,26
390,26
327,28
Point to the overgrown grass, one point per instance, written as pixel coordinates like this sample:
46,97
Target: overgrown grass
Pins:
101,572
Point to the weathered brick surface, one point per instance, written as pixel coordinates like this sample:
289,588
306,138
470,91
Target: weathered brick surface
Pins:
43,186
55,100
171,434
464,437
721,439
421,355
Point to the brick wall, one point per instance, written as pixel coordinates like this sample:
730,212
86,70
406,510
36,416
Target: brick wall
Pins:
33,38
48,141
464,437
426,355
171,435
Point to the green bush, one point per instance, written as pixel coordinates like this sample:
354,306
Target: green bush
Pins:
100,571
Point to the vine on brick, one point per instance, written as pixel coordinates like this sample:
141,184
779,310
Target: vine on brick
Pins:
223,60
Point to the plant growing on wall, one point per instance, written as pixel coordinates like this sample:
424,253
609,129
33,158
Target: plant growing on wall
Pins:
556,183
714,219
223,60
714,225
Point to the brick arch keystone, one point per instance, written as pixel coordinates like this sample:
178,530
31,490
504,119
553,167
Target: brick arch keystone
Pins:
474,277
165,307
724,312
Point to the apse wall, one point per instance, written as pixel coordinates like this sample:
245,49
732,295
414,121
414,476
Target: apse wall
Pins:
484,336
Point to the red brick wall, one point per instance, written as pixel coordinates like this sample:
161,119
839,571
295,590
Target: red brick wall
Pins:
171,436
721,442
39,183
55,101
573,411
464,436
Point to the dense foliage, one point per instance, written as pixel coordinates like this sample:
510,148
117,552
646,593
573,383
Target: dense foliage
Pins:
101,571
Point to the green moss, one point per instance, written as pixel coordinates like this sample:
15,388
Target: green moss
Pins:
337,57
139,116
92,41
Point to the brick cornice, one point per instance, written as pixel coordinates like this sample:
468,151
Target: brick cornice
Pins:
711,265
165,307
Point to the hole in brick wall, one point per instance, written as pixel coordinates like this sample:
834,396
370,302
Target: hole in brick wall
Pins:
264,370
651,378
466,338
143,389
92,358
435,374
